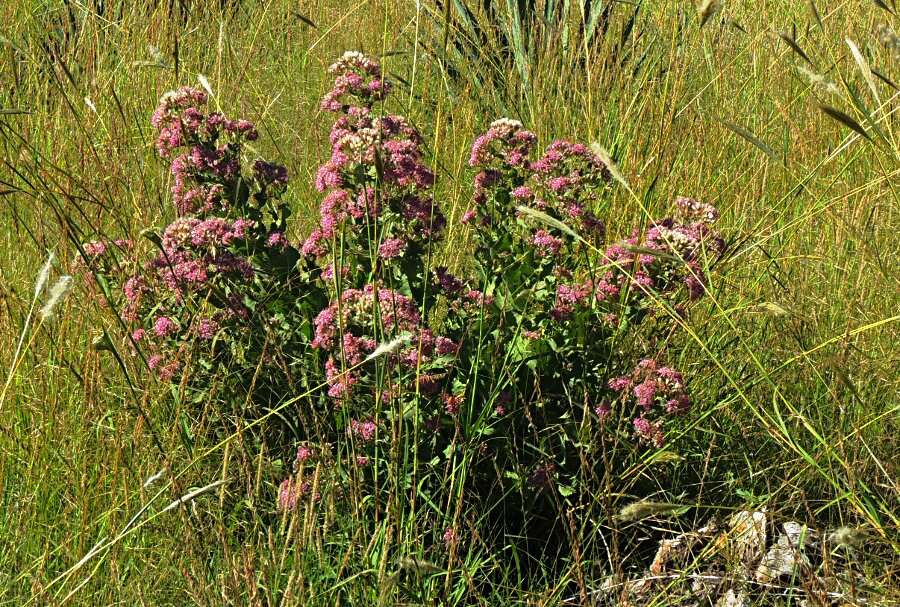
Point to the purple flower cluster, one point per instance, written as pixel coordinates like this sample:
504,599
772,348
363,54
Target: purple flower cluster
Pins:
655,392
290,492
100,255
269,175
670,254
376,176
542,477
546,244
568,298
164,326
365,431
563,183
192,289
195,254
357,81
191,232
501,155
567,180
207,169
392,247
345,330
175,113
207,328
377,216
506,141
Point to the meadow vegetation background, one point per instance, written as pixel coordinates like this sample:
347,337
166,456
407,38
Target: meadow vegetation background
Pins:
783,115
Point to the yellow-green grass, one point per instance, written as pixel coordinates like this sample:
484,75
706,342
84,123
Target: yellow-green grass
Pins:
793,357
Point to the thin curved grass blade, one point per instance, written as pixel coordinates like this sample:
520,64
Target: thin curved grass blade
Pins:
844,119
547,219
789,40
753,139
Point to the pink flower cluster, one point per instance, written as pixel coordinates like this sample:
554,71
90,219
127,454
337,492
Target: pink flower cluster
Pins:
376,175
387,152
568,298
357,81
345,330
191,232
175,112
506,141
377,210
564,183
670,254
207,171
187,270
192,288
566,180
212,146
290,492
546,244
365,430
655,392
100,255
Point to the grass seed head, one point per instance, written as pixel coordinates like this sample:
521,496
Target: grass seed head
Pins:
58,292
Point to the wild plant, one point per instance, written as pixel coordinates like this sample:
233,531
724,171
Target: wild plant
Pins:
220,302
492,387
511,369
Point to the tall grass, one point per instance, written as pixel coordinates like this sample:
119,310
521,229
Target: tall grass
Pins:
783,116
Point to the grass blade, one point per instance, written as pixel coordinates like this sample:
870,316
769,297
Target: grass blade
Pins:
844,119
543,217
886,80
815,12
518,41
795,47
707,9
305,19
884,6
750,137
858,103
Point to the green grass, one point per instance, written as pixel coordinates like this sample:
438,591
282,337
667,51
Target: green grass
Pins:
793,359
